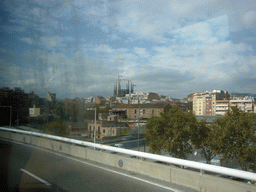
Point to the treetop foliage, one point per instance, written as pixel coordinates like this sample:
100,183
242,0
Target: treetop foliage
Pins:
58,128
171,132
178,132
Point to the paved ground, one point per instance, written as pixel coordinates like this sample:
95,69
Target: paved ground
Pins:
26,168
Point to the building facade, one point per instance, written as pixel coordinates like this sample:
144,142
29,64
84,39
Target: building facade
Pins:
222,107
204,103
216,103
131,111
106,129
245,104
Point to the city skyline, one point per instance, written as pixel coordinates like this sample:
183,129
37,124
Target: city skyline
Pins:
176,48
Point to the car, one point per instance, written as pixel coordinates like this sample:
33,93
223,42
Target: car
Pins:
119,145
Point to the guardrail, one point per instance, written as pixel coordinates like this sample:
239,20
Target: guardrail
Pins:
171,160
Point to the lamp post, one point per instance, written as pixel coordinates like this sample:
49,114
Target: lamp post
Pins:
95,125
95,109
139,128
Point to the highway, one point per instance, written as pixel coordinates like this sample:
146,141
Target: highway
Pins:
28,168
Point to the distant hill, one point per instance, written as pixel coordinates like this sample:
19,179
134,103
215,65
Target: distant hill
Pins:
245,94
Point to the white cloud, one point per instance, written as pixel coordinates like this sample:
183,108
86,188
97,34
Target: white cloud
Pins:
142,52
28,40
250,19
104,49
191,48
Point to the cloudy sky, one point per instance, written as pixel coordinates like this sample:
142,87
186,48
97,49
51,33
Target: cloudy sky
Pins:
172,47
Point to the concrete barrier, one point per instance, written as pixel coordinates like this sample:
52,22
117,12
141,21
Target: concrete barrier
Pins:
21,137
188,178
160,171
185,177
5,134
212,183
78,151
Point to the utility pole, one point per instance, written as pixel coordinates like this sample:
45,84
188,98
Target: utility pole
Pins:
139,129
10,116
95,125
94,131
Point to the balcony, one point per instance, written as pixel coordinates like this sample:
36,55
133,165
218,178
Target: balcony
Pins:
221,108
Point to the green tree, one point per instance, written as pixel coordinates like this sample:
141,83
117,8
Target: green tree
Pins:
235,138
60,110
202,138
171,132
155,134
57,128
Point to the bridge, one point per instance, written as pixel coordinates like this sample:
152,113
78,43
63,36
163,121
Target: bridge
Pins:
112,168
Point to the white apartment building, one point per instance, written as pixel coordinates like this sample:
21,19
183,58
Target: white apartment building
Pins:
245,104
137,98
222,107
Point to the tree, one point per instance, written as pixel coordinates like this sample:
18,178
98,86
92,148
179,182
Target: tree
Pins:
60,111
235,138
171,132
56,128
202,138
155,134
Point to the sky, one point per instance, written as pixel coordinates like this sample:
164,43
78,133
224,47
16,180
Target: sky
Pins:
78,48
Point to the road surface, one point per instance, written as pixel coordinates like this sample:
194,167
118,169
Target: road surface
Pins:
28,168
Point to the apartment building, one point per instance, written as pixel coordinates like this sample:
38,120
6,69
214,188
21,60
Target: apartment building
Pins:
131,111
222,107
106,129
204,103
245,104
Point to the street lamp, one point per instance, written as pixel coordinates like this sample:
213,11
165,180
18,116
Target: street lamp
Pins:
139,128
95,109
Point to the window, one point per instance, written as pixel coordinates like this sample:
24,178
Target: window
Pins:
103,130
61,48
144,111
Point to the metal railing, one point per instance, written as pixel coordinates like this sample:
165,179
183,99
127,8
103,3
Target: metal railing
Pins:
171,160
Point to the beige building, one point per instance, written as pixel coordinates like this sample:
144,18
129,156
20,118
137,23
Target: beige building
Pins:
106,129
34,112
131,111
204,103
50,96
99,100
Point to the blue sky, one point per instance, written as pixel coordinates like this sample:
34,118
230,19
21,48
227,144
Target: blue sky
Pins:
78,48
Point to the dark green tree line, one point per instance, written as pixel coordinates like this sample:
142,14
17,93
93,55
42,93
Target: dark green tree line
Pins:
171,132
235,137
58,128
232,136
